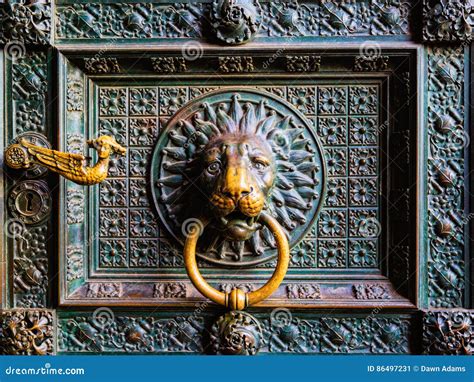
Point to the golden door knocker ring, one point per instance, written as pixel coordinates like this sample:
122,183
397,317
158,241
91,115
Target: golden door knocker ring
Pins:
238,299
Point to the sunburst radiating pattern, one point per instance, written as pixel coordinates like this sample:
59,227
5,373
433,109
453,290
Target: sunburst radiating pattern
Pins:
299,182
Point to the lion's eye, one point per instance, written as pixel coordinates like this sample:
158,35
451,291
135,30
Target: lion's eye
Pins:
214,167
260,164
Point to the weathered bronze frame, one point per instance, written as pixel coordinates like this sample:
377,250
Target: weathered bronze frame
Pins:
436,40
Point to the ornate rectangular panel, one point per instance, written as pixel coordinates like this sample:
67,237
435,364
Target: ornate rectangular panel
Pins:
448,222
27,230
162,21
115,249
183,333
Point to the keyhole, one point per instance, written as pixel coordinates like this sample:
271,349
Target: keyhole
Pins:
29,202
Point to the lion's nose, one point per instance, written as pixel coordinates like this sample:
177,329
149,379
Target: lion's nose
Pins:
237,183
237,193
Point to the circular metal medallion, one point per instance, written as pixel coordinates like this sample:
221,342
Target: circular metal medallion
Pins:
279,160
30,201
236,333
37,139
16,156
237,21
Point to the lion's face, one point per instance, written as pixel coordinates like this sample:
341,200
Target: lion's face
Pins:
239,172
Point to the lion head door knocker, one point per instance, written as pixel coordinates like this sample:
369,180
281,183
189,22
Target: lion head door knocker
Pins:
242,171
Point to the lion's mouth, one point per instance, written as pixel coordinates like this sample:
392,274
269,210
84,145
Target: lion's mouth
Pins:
238,218
238,226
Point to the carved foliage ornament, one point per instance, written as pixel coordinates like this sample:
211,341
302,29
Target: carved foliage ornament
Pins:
26,332
283,332
449,332
169,290
236,333
229,156
303,291
101,65
130,334
237,64
235,21
447,20
303,63
370,64
445,162
171,20
27,22
169,64
371,291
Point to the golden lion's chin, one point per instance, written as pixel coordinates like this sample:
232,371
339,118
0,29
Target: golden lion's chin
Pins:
238,232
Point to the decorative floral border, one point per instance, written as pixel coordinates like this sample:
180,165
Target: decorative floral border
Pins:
169,20
30,24
447,140
284,331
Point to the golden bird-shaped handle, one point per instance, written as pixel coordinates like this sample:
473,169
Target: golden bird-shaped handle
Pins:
23,155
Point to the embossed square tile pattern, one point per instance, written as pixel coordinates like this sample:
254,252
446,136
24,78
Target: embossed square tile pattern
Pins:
346,119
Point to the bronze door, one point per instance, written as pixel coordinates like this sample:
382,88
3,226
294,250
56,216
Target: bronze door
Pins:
235,178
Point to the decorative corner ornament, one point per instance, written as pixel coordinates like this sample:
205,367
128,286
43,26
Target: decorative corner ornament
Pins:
448,332
447,20
27,332
235,21
24,155
27,22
